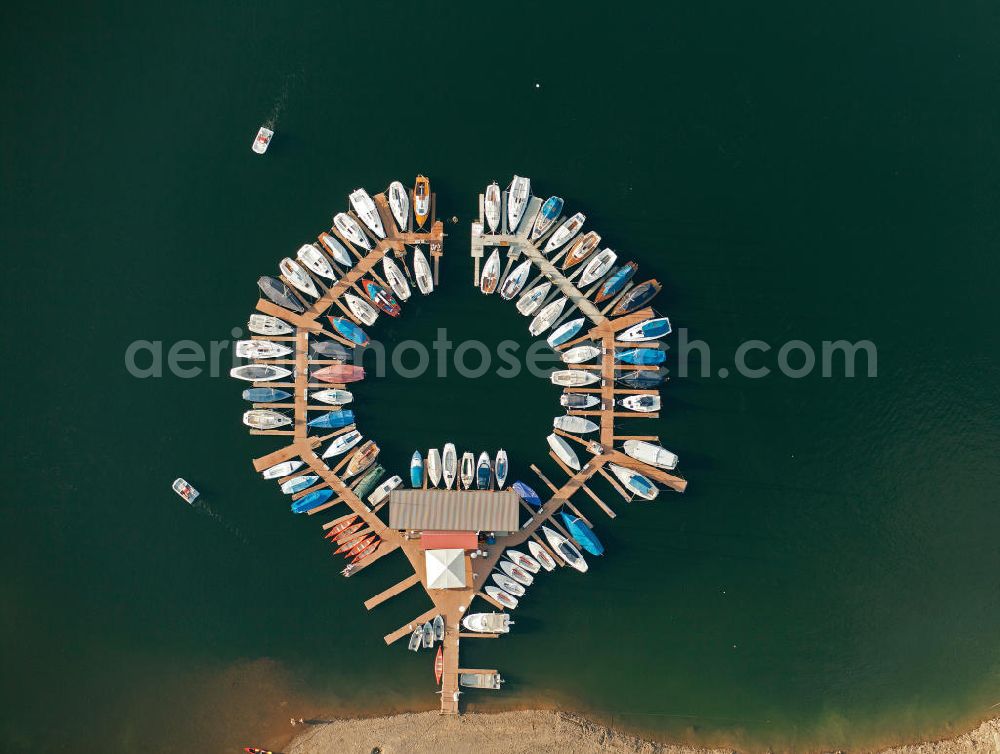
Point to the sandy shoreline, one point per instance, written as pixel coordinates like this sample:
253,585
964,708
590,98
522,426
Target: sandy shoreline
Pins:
541,732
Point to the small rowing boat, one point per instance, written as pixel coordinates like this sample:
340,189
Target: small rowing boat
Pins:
468,469
340,374
565,453
258,372
264,324
573,377
342,444
597,267
484,471
566,549
262,418
421,200
350,230
636,298
439,666
565,332
547,215
565,232
279,293
298,277
491,206
651,329
541,555
491,273
265,395
500,468
365,208
399,204
515,281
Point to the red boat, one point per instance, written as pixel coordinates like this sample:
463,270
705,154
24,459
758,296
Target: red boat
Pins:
380,297
340,373
349,542
254,749
360,546
346,533
332,534
439,665
365,553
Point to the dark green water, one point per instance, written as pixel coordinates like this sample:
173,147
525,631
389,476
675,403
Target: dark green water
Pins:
789,172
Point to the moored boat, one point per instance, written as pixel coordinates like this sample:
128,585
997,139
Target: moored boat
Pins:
298,277
262,418
549,314
399,204
487,623
422,272
484,471
573,377
338,529
438,624
299,483
330,349
547,215
421,200
491,273
361,308
532,299
187,492
642,379
449,464
316,260
350,230
262,140
651,329
282,469
342,444
313,500
635,482
265,324
518,194
597,267
517,573
581,533
565,232
507,584
428,635
364,208
491,206
259,372
526,562
340,373
261,349
468,472
578,400
416,638
265,395
480,680
649,453
416,470
363,458
382,491
636,298
565,332
368,481
565,453
380,297
349,330
501,596
641,356
580,249
527,494
616,282
336,249
279,293
515,281
644,404
439,665
580,354
395,278
434,466
544,559
333,419
578,425
566,549
500,468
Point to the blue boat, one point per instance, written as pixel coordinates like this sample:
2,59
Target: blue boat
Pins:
416,470
349,330
565,332
651,329
265,394
641,356
582,533
546,216
310,501
484,471
334,419
527,494
616,282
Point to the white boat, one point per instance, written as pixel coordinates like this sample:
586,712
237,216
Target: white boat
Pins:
562,449
544,319
259,372
361,308
635,482
333,397
282,469
491,206
262,140
434,466
183,488
399,204
532,299
395,278
651,329
468,473
487,623
565,331
566,549
422,271
500,468
508,584
518,194
578,425
501,596
491,273
261,349
299,483
364,207
515,280
565,232
342,444
526,562
336,249
520,575
350,229
263,418
596,267
316,261
449,465
382,491
264,324
573,377
652,454
644,404
578,400
298,277
580,354
544,559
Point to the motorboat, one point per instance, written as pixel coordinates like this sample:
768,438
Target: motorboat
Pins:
547,215
636,298
449,465
517,573
261,349
565,332
651,329
187,492
342,444
501,596
549,314
644,404
487,623
518,194
340,374
635,482
491,273
526,562
565,232
515,281
527,494
566,549
298,277
350,230
265,395
642,379
336,249
438,625
480,680
333,419
347,329
262,140
578,400
508,584
361,309
395,278
416,638
541,555
484,471
363,458
416,470
282,469
616,282
316,260
532,299
597,267
364,207
313,500
580,354
428,635
264,324
491,206
565,453
652,454
299,483
468,469
399,204
382,491
580,249
574,377
422,272
259,372
434,467
581,533
279,293
641,356
380,297
578,425
368,480
500,468
329,349
421,200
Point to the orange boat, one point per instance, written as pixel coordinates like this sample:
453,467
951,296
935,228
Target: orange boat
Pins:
421,200
332,534
346,533
439,665
363,458
360,546
365,553
580,249
351,542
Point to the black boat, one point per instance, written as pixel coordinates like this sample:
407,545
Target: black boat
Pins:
643,379
641,295
329,349
280,294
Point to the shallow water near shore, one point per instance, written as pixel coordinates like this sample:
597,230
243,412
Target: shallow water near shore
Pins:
788,173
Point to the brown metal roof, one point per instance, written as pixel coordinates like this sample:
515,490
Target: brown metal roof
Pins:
453,510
